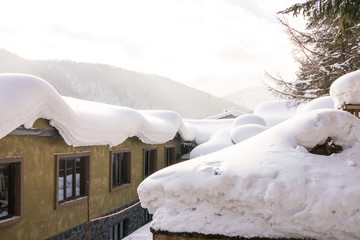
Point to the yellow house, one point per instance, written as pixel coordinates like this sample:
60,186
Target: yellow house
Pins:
59,182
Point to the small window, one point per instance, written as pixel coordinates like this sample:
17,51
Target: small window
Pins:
120,169
169,156
119,230
147,216
11,182
73,178
150,159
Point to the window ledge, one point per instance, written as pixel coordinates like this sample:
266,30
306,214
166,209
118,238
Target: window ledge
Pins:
71,202
122,186
11,220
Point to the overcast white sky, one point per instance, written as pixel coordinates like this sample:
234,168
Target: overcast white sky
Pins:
219,46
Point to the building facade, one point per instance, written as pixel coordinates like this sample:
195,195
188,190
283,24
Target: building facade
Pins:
50,190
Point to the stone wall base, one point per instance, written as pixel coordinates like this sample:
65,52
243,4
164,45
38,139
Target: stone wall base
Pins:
100,230
164,235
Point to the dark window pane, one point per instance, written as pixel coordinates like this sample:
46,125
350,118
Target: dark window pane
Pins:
116,175
111,233
121,168
72,178
78,177
69,183
5,191
62,164
125,228
170,156
124,169
149,162
116,232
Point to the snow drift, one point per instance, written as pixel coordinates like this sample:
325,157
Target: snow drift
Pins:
268,185
24,99
346,89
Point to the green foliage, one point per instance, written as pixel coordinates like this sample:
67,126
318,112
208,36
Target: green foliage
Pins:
328,48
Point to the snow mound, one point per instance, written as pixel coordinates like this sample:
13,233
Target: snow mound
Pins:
346,89
220,140
214,135
206,128
268,185
24,99
249,119
243,132
326,102
275,112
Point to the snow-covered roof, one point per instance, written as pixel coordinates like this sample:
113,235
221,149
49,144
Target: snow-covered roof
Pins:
215,134
268,185
227,114
325,102
275,112
24,99
346,89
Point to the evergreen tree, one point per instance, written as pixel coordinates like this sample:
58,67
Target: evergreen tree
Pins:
326,50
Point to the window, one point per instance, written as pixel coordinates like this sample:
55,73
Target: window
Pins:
169,156
150,159
120,169
119,230
11,182
147,216
73,178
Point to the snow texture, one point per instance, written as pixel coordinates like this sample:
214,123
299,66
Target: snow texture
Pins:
326,102
24,99
214,135
275,112
142,233
346,89
226,114
268,185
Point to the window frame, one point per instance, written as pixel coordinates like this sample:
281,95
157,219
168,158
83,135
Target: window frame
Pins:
18,185
128,170
155,160
121,229
172,147
87,170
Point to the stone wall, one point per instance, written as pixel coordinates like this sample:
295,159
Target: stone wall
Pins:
100,229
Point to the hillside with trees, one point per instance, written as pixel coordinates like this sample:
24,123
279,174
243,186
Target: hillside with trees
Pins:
109,84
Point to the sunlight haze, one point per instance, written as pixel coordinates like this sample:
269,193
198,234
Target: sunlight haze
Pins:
219,46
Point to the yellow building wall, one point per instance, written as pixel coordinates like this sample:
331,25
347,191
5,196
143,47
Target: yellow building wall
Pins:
40,219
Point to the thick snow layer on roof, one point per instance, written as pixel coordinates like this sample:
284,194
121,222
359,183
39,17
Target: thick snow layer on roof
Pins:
219,140
243,132
326,102
275,112
214,135
24,99
268,185
346,89
205,128
249,119
230,113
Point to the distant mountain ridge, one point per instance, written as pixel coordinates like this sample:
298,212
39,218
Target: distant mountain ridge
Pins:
114,85
250,97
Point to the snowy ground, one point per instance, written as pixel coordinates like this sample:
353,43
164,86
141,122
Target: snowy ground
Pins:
142,233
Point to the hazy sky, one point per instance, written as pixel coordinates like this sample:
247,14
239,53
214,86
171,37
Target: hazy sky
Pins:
219,46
